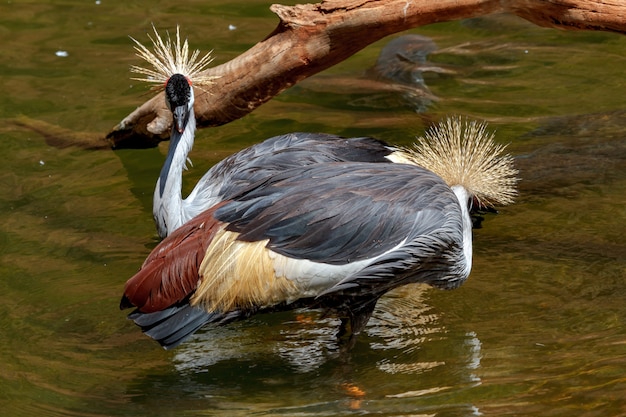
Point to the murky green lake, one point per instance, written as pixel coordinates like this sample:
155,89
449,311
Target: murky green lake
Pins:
539,328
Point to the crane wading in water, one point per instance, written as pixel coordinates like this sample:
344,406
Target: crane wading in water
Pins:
333,233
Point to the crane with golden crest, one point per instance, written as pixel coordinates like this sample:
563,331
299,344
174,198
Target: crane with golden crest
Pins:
307,220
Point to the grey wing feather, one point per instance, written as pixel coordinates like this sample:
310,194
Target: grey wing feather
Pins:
338,213
431,258
283,152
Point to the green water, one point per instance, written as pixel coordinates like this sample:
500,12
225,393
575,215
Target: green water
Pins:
537,330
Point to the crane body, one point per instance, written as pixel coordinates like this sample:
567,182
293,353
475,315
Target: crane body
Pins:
311,221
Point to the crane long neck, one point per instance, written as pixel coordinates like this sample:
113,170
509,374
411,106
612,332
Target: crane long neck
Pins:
463,196
168,208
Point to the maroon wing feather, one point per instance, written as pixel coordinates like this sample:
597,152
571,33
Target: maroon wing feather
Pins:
170,273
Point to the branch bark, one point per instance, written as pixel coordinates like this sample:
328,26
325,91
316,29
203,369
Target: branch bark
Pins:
310,38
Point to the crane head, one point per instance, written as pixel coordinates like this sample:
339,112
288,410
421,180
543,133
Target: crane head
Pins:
179,98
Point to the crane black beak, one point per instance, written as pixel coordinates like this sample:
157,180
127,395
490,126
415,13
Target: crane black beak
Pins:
181,117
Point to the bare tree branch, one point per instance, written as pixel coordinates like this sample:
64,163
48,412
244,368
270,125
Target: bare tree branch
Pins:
310,38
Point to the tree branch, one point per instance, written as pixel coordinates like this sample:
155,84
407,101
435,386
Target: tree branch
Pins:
310,38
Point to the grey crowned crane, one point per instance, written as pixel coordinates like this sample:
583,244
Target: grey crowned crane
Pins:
176,71
334,236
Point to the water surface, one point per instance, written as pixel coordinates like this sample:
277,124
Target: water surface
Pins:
538,329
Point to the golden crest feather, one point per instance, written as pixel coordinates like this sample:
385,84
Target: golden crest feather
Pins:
464,153
169,58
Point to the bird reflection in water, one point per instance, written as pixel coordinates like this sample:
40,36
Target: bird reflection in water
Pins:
402,322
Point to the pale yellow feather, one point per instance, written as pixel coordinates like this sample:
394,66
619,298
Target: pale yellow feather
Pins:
171,58
236,274
464,153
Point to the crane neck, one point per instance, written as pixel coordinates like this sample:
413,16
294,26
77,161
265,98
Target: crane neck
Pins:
464,197
168,202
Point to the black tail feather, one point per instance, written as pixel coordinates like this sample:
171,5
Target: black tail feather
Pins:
174,325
